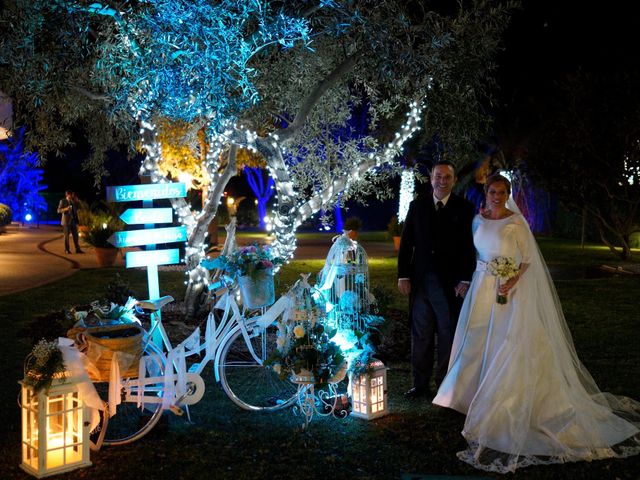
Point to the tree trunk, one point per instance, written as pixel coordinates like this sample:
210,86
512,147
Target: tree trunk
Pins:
195,296
213,232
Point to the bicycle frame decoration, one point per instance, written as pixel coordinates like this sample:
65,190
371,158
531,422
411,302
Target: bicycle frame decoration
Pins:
305,352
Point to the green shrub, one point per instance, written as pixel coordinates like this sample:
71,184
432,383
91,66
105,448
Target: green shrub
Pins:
6,215
84,213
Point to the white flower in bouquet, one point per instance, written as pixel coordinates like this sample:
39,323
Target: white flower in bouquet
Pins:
298,331
504,268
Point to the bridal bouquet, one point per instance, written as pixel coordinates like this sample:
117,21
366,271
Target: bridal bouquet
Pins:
504,268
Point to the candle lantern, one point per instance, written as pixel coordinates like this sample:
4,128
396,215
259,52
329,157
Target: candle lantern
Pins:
55,428
368,391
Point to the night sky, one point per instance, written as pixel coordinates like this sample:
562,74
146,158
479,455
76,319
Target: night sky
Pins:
548,40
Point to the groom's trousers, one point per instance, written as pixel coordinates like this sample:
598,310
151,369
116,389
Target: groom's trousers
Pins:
432,330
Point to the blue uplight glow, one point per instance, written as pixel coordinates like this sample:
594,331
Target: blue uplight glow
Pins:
20,178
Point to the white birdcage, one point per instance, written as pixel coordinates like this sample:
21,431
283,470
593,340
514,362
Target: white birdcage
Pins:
344,283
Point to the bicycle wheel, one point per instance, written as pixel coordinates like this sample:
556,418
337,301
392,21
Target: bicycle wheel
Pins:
130,421
248,383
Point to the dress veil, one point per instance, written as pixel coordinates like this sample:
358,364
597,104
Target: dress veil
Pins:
536,402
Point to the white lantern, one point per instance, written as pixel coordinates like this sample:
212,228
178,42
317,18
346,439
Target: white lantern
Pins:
368,391
55,429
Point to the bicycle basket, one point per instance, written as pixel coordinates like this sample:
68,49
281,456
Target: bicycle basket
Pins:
101,343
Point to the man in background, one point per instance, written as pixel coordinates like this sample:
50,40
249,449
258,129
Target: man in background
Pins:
68,207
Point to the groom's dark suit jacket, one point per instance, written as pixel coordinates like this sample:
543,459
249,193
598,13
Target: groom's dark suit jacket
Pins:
439,242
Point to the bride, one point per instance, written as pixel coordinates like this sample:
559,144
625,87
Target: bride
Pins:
513,369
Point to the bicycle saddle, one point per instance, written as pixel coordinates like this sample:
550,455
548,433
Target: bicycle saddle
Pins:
156,304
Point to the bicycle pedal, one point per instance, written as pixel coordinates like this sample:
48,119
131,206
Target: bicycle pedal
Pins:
176,410
193,368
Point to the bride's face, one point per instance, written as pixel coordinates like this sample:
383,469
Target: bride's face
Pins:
497,195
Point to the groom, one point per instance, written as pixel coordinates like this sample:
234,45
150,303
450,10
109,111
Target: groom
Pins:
435,264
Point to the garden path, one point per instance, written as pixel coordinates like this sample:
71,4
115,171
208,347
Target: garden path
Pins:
32,256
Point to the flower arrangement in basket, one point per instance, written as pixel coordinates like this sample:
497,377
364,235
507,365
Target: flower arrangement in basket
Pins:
253,266
107,330
251,260
504,268
305,352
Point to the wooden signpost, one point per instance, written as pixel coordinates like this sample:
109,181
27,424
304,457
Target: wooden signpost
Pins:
149,236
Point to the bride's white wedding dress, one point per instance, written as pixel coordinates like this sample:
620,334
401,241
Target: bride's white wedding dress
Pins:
515,374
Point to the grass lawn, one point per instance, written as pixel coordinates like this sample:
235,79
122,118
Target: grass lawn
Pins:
415,438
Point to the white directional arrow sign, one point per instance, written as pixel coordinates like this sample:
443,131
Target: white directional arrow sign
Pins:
152,257
132,238
140,216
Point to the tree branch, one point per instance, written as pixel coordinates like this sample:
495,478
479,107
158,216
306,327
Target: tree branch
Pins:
89,95
321,88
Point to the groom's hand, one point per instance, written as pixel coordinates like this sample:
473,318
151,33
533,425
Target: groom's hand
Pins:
461,289
404,285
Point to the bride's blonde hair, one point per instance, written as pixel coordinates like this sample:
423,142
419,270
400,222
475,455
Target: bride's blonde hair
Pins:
497,178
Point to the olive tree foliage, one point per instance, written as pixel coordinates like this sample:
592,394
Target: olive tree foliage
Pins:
105,66
46,67
290,70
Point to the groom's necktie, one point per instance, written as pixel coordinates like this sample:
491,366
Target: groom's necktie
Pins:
439,206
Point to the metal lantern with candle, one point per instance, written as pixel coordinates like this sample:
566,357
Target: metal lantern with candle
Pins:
368,391
55,420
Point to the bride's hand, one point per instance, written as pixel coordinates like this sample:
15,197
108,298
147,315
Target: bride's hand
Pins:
508,285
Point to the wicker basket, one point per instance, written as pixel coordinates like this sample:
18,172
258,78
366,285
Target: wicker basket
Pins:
100,343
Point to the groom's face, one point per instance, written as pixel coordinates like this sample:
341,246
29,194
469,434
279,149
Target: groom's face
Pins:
443,178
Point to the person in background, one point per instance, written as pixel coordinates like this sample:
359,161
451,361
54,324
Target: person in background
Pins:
68,208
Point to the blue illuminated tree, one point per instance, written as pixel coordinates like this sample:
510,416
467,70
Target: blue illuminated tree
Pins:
262,186
71,63
20,178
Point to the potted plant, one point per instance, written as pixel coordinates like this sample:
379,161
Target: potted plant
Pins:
352,226
101,227
394,228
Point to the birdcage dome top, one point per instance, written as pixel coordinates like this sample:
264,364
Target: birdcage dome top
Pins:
345,251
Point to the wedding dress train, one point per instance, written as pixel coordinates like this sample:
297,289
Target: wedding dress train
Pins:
514,371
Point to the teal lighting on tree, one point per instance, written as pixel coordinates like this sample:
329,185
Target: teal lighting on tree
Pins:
189,59
20,178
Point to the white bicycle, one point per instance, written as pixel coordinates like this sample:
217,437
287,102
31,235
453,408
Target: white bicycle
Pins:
238,342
